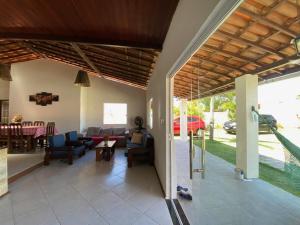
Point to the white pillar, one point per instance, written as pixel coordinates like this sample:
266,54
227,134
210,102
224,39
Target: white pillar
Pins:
247,127
183,119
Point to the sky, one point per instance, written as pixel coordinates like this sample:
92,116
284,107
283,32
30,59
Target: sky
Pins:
280,99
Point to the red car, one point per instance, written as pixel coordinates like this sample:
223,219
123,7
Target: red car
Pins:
195,124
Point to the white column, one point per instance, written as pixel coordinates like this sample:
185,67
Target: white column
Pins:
247,127
183,119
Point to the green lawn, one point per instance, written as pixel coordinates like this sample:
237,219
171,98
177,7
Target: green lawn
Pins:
286,180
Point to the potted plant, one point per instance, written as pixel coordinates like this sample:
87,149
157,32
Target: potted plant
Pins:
17,119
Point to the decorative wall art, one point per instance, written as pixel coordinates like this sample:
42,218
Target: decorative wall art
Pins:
43,98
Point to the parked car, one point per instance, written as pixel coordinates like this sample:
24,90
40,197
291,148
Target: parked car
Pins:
230,126
195,124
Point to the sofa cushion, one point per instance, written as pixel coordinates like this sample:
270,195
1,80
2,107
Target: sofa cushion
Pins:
118,131
107,131
72,136
56,141
93,131
89,143
137,138
132,145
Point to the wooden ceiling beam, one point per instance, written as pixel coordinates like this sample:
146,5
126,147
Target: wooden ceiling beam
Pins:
122,53
67,53
263,20
102,66
203,77
59,53
119,60
218,64
109,77
17,56
275,65
250,43
78,40
218,74
124,76
12,50
88,69
188,79
85,58
231,54
97,59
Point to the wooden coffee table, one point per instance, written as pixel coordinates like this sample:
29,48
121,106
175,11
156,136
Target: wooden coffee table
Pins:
105,151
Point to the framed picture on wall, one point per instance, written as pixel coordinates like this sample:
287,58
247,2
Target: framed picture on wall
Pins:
43,98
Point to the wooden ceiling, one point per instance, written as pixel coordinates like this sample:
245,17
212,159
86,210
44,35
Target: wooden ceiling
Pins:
115,39
255,39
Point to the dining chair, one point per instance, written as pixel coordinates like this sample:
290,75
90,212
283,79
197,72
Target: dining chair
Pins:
27,123
39,123
4,135
17,141
50,131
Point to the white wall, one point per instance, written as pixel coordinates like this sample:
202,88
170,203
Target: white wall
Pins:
36,76
78,107
187,20
105,91
4,89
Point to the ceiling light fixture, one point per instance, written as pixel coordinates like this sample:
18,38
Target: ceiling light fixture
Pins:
82,79
5,72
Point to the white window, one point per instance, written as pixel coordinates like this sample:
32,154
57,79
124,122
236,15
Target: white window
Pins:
115,113
150,114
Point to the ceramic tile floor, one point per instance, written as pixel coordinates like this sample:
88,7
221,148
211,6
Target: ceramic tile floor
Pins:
19,162
221,199
86,193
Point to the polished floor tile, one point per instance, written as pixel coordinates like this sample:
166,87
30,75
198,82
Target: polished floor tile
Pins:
86,193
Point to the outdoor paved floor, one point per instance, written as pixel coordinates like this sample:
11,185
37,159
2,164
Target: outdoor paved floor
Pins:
221,199
86,193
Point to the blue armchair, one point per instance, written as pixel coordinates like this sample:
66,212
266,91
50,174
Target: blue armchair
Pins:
73,140
58,149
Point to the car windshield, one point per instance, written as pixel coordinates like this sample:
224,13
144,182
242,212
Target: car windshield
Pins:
268,118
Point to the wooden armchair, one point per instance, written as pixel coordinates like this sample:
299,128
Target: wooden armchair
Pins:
143,151
58,149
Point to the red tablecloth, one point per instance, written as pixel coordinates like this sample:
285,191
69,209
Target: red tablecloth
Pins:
36,131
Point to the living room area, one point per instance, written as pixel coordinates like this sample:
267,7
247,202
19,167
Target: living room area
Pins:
105,123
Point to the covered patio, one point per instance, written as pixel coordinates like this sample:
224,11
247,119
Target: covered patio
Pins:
223,199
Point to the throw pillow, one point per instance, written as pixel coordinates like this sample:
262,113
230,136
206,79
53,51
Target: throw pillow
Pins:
136,138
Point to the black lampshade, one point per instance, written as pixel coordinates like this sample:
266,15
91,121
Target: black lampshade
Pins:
297,45
5,72
82,79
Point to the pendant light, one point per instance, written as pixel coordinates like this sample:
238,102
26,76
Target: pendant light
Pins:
5,72
82,79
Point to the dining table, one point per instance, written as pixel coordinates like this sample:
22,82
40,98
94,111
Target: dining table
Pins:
33,132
